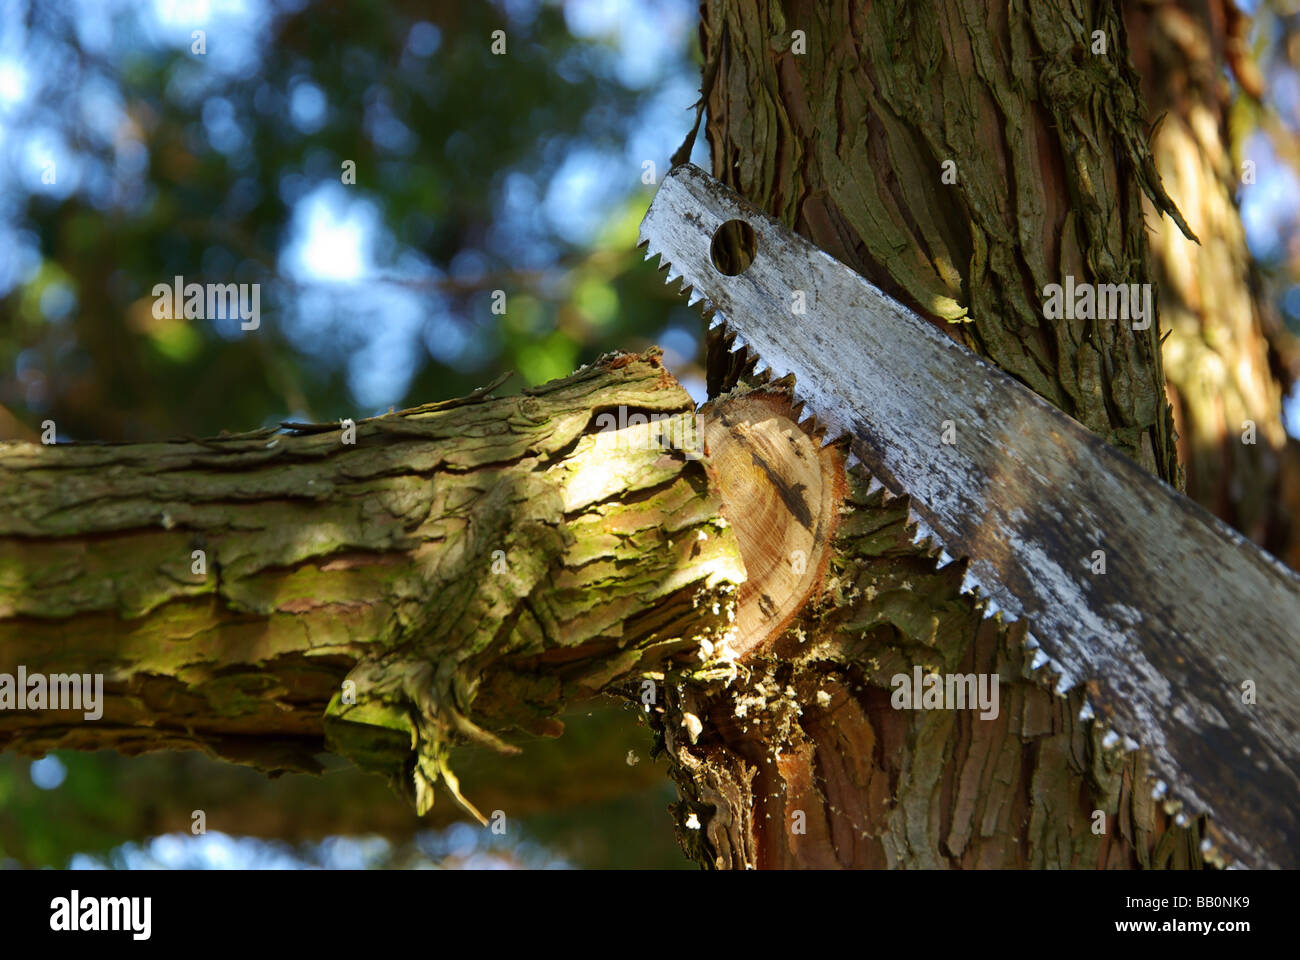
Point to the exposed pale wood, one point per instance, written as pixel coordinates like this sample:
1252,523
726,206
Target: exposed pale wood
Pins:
781,491
1187,611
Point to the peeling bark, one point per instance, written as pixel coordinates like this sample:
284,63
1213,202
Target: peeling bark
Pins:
803,761
461,570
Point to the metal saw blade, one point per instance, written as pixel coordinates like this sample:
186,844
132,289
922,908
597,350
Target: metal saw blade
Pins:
1188,619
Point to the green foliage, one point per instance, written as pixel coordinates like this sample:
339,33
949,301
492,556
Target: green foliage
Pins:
180,165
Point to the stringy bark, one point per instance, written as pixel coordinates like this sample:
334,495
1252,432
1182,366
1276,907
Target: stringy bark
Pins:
803,761
463,569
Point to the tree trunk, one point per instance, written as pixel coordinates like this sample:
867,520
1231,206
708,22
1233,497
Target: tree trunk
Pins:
842,121
1228,357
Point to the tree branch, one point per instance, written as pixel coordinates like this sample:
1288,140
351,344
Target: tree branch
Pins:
458,571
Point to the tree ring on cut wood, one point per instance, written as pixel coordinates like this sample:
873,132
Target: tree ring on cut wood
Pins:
781,492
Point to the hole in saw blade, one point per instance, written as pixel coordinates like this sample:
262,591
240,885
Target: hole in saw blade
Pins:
732,250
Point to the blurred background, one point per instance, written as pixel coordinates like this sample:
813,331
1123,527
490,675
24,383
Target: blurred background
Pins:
474,172
129,158
217,140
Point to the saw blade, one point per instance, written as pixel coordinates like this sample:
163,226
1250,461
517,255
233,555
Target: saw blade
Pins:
1190,638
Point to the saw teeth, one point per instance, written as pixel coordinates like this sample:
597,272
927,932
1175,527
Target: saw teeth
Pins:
812,426
922,535
1008,616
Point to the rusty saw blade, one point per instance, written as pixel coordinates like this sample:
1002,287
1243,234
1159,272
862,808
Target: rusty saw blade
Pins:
1189,618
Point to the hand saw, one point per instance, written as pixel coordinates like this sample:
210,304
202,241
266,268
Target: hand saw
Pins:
1189,618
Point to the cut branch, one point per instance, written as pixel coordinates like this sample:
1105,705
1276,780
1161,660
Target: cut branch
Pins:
459,570
783,490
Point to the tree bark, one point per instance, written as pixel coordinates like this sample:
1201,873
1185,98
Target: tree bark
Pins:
844,131
460,569
1229,360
